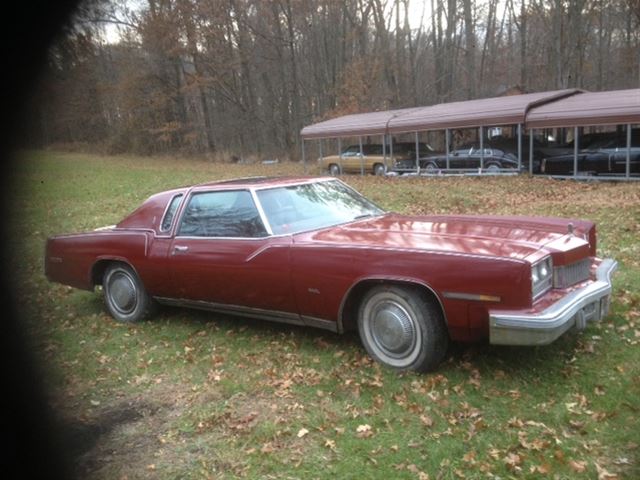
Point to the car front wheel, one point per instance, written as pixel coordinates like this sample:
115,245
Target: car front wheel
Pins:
403,329
124,295
379,170
334,170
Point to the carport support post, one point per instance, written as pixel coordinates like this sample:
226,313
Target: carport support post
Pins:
575,151
627,171
481,148
520,147
384,152
361,157
320,149
531,152
304,160
447,139
340,153
417,155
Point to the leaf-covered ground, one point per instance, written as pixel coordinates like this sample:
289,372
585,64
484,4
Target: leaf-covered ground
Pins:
197,395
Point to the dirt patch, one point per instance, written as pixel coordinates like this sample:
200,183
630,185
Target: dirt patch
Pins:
160,432
123,438
118,435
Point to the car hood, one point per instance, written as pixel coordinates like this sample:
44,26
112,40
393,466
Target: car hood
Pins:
523,238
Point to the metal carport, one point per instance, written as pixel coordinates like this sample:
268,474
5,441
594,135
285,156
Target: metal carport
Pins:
618,107
562,108
509,110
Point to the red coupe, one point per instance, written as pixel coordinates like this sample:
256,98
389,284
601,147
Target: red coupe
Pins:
312,251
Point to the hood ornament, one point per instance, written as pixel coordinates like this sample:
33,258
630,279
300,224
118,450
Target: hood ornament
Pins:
570,229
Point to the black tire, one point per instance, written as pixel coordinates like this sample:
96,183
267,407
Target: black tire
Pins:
379,169
124,295
403,329
492,168
334,170
431,167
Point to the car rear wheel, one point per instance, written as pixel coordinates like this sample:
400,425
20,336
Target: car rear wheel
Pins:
124,295
492,168
379,170
401,328
334,170
431,167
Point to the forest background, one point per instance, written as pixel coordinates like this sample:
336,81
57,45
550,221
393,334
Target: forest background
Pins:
240,78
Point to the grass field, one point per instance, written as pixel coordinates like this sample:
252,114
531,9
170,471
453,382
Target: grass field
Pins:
196,395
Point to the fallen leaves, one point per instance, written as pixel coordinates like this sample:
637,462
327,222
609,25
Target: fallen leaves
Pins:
426,420
578,466
513,461
603,474
364,431
330,444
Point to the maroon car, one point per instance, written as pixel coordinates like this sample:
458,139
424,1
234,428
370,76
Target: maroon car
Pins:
312,251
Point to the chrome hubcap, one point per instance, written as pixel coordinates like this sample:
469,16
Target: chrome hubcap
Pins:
122,292
392,329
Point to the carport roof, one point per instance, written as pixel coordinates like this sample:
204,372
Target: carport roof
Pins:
372,123
589,108
509,110
473,113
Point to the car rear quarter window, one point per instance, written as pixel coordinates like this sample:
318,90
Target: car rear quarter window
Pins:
229,213
170,214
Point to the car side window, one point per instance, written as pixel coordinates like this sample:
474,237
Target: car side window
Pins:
222,214
352,151
372,149
170,213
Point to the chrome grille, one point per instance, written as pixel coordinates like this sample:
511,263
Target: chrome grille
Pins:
568,275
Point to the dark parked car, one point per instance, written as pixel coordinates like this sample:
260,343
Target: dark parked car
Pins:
314,252
466,158
608,155
499,154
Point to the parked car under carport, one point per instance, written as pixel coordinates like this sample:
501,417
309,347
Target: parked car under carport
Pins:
607,156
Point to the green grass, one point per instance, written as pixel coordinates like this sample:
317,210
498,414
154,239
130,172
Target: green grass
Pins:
225,397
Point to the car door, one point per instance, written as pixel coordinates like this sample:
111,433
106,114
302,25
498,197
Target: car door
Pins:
458,158
347,162
472,158
221,254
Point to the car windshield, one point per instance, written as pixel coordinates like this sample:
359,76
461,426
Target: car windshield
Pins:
310,206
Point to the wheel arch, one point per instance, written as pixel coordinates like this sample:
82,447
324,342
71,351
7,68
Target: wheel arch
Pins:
100,266
348,313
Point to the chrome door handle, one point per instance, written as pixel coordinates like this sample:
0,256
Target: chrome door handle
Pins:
180,249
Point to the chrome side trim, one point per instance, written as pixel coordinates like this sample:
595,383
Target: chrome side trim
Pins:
258,313
589,303
320,323
106,227
470,296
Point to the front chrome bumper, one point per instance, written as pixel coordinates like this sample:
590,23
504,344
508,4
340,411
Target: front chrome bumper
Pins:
587,304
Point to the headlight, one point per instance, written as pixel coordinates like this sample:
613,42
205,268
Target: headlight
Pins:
541,276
